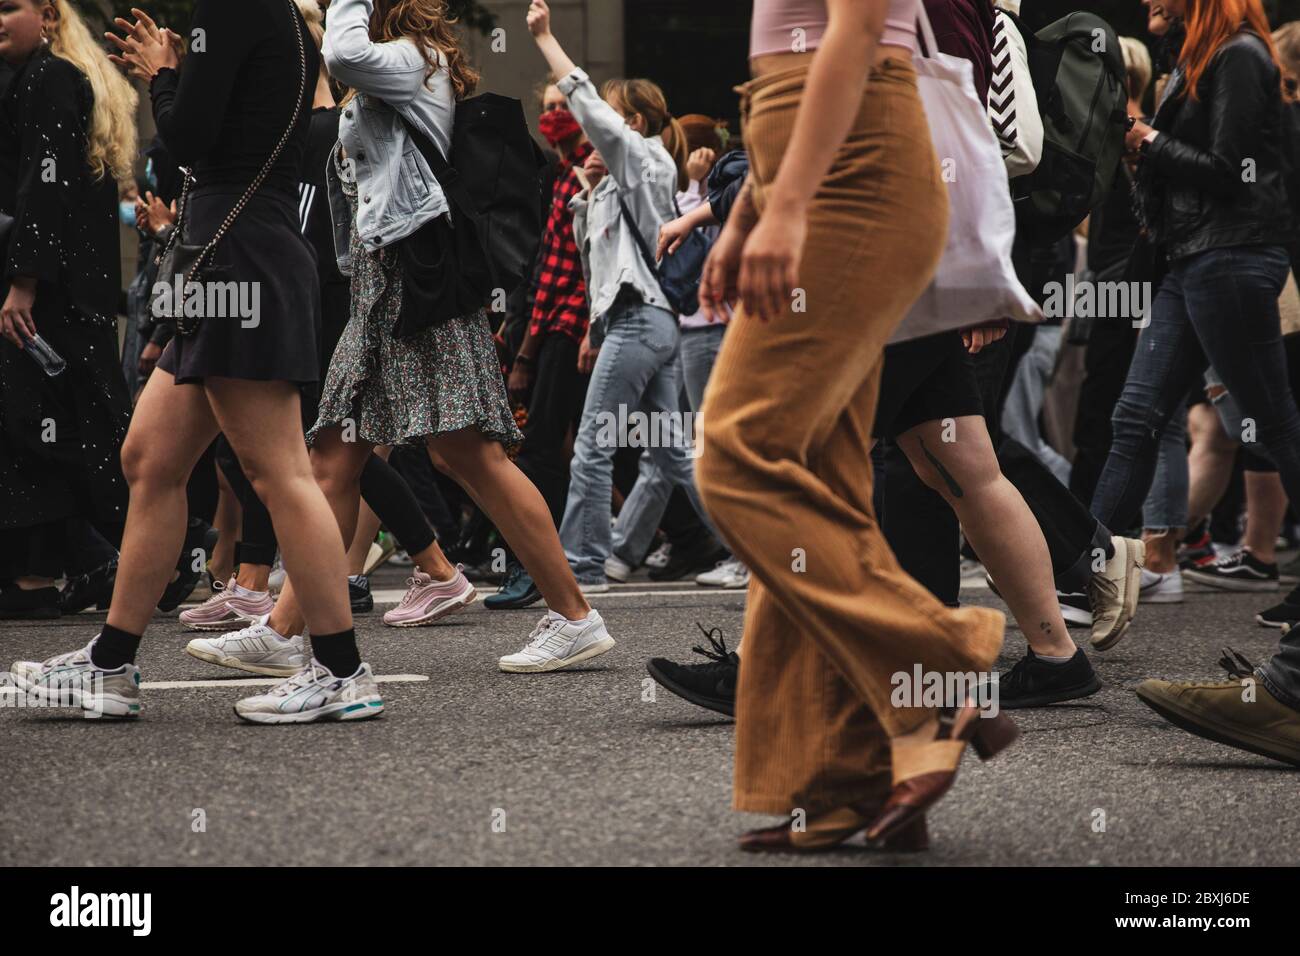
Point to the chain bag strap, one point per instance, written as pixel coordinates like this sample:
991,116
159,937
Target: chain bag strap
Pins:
183,262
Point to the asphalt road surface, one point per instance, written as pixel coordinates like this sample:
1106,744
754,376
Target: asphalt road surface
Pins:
472,766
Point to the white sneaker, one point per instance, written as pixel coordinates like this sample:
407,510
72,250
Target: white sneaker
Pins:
616,569
257,649
593,587
315,694
658,558
275,583
731,573
1114,592
72,680
1161,588
557,643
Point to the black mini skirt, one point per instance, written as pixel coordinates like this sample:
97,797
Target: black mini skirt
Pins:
259,298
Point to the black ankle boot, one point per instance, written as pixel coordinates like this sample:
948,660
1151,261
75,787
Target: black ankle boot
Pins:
92,589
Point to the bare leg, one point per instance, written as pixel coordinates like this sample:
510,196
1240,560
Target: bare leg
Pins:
262,422
1209,462
170,428
366,528
226,521
517,508
996,521
1162,550
1265,512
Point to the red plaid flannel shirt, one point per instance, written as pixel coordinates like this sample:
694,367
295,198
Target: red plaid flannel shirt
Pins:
560,304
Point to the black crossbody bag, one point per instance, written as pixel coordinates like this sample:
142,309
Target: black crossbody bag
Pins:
178,258
679,274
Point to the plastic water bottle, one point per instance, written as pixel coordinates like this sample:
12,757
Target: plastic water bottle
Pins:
50,361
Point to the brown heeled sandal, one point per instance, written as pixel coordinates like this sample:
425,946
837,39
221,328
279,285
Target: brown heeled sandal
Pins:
924,773
834,828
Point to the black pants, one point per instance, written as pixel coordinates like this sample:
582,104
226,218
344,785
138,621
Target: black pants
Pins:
559,391
918,523
381,486
1105,367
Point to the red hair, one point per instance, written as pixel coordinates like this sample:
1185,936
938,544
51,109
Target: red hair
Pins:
1210,23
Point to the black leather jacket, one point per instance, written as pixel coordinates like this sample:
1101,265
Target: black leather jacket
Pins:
1217,174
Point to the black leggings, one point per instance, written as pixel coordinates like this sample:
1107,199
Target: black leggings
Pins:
381,486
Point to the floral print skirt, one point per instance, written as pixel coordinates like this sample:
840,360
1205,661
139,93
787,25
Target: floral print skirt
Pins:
401,391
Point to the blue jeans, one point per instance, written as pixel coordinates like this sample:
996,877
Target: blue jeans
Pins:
1220,307
1165,507
1025,399
700,346
636,374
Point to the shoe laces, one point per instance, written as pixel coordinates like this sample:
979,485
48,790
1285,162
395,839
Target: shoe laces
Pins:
310,674
547,628
1236,664
1231,560
67,658
719,654
513,573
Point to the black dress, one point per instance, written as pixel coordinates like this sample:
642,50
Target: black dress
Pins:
222,114
60,438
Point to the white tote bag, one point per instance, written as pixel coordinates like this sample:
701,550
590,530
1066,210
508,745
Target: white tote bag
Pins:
975,282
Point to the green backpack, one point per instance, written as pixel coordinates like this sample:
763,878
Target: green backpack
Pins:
1077,69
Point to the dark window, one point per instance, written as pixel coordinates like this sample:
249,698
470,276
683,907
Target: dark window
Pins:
697,50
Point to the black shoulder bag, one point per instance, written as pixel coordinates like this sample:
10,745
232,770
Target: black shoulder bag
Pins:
679,274
183,262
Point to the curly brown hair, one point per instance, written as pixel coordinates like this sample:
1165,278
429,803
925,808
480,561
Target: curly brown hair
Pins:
431,26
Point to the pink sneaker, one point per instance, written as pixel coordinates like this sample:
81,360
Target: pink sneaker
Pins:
226,607
427,600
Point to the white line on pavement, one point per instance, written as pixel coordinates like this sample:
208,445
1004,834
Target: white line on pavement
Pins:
11,691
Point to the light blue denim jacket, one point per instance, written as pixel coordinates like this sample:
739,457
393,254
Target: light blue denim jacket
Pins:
639,168
396,191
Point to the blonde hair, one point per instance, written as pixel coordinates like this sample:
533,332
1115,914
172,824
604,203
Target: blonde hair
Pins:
111,145
1287,39
1137,64
314,16
645,97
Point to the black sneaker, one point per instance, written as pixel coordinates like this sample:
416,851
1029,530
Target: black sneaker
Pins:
38,605
92,589
359,594
712,685
516,591
187,579
686,561
1032,682
1279,615
1240,571
1076,609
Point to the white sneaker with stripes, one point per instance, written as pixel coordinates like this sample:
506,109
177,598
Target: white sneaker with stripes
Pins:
257,649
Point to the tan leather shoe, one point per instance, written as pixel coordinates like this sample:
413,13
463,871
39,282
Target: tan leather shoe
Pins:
1240,713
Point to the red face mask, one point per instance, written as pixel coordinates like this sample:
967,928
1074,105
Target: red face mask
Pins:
558,125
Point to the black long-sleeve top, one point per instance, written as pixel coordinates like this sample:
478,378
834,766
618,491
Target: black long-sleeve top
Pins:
226,108
65,231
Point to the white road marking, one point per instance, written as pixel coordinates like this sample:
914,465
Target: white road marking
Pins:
11,691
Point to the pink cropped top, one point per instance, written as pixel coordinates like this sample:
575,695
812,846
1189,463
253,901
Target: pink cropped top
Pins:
796,26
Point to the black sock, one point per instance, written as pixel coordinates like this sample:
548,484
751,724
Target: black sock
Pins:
337,652
113,648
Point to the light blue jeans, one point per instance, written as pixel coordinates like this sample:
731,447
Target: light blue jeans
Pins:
637,374
1025,400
